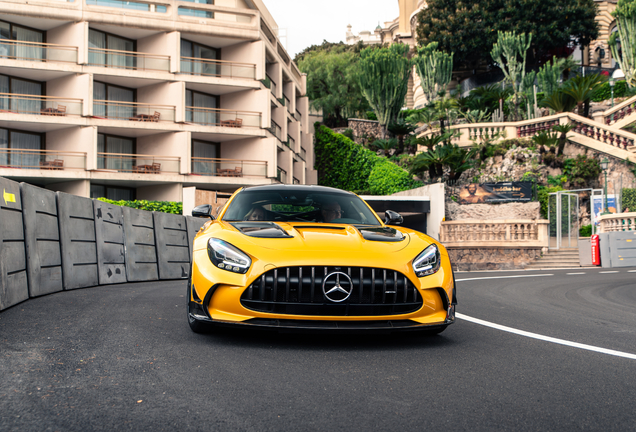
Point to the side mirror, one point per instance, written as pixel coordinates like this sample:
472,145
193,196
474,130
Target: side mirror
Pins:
392,218
203,211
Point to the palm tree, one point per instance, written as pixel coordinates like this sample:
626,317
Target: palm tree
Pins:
385,145
581,89
401,129
426,115
430,141
445,107
558,101
563,129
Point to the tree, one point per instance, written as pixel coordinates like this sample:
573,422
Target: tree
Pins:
434,68
468,28
563,129
549,75
625,14
332,83
383,76
581,89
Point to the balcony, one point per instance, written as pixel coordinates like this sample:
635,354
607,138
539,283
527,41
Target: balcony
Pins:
128,60
123,4
42,159
273,86
221,117
137,163
281,175
39,105
291,143
217,68
132,111
228,167
297,115
35,51
303,154
288,104
201,10
276,130
296,181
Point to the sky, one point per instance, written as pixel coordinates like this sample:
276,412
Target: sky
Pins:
309,22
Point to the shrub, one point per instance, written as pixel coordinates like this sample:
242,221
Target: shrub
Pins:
543,193
629,199
581,170
348,133
160,206
585,231
387,178
371,116
604,91
343,164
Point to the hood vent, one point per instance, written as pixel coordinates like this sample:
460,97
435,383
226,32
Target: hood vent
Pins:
261,229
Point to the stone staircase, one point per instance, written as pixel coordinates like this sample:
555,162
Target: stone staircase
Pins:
562,258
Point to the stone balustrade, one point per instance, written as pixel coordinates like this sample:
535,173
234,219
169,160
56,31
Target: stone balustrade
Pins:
504,233
618,222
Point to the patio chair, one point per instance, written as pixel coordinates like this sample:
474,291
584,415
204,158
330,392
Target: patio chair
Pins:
156,116
238,172
61,110
156,167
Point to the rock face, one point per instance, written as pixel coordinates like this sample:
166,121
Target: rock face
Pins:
457,212
492,259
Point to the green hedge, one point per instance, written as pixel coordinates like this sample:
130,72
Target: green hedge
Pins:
604,92
629,199
343,164
160,206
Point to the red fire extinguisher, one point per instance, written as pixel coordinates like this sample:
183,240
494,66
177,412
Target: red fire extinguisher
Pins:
596,252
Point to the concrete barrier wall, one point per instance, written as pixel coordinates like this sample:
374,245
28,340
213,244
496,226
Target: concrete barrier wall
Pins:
13,268
77,239
141,250
42,240
173,253
109,235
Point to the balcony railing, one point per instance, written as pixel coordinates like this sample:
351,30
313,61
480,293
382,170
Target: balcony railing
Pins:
481,233
618,222
42,159
288,104
276,130
291,143
137,163
219,68
39,105
213,13
128,60
296,181
303,154
228,167
133,111
221,117
297,115
281,175
124,4
35,51
273,86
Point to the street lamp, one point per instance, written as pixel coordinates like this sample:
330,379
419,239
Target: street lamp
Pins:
611,83
604,167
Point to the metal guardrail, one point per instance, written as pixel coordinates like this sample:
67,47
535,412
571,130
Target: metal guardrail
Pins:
40,105
218,68
42,159
36,51
221,117
133,111
137,163
228,167
128,60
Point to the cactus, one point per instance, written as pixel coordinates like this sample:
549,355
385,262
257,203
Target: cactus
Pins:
625,14
384,75
510,46
549,75
434,68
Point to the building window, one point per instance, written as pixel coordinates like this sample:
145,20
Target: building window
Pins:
123,4
14,32
20,149
204,154
10,86
99,42
193,50
201,108
115,152
197,12
113,193
105,98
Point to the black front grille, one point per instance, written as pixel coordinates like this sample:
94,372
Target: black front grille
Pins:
299,291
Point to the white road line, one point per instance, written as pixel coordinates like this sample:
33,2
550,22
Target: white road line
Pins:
615,271
574,273
546,338
503,277
631,271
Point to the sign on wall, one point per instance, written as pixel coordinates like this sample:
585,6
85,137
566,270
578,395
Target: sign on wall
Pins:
496,192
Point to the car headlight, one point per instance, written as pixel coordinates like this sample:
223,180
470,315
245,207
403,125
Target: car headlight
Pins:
227,257
427,262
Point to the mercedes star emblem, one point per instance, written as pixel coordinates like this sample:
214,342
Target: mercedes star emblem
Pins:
337,287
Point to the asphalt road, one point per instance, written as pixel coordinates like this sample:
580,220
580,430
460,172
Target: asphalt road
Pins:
123,358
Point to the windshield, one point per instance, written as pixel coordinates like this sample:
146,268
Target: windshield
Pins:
299,206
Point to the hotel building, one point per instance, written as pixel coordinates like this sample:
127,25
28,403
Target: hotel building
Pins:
139,99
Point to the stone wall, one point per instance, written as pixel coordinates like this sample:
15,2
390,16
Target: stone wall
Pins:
473,259
456,212
365,131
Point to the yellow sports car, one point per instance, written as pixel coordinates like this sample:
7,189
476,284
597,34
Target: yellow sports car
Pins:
313,257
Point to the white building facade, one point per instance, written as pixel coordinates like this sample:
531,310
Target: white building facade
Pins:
139,99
